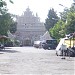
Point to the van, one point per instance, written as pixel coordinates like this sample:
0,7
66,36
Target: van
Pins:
49,44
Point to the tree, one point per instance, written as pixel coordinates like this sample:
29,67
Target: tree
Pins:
65,25
70,25
3,6
70,21
6,20
58,30
72,9
63,15
13,27
3,3
51,20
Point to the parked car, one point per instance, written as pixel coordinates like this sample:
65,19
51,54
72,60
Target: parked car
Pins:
49,44
37,44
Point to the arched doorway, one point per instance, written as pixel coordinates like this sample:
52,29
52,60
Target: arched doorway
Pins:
27,42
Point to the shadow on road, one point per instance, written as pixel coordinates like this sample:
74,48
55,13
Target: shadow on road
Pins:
8,51
1,53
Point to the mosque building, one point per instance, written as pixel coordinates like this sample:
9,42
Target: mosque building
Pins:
29,28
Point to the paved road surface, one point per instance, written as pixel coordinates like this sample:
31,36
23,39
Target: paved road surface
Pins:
32,61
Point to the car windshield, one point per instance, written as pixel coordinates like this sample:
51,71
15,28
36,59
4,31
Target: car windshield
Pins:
51,41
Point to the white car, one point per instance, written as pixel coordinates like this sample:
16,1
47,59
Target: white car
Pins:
37,44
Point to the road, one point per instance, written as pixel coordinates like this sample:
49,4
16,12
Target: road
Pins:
33,61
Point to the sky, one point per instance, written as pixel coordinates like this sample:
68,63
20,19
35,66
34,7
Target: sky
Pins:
41,7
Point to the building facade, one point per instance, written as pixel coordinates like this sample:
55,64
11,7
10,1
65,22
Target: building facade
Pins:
29,28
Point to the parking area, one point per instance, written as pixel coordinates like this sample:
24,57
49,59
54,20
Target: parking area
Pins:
35,61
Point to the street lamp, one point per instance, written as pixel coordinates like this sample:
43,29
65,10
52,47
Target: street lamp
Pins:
62,5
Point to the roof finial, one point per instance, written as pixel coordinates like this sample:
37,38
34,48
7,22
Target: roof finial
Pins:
28,9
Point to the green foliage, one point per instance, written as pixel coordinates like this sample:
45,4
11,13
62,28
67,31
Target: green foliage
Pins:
72,9
58,30
51,20
63,14
3,8
17,43
7,23
64,26
8,43
13,27
70,25
6,20
2,3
